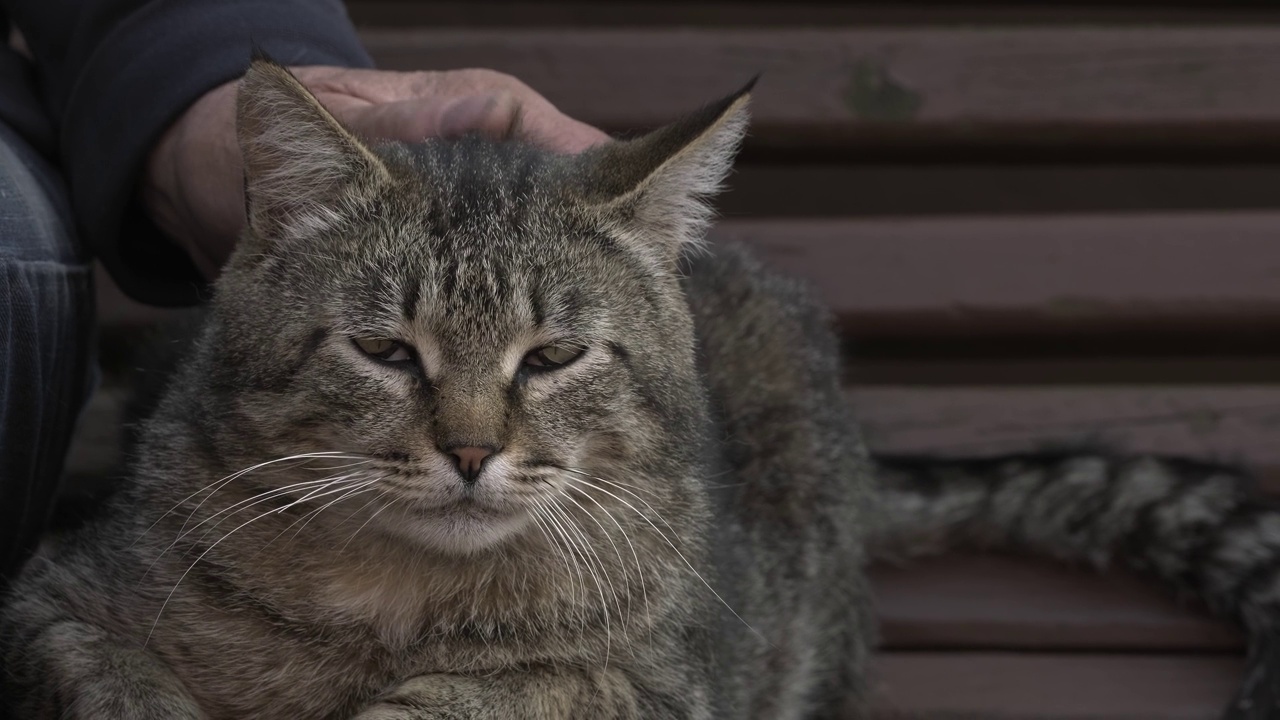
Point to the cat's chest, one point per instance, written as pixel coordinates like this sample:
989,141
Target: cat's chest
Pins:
337,636
249,665
392,607
253,668
421,626
419,610
286,652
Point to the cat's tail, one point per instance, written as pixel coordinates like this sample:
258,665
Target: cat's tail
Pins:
1201,528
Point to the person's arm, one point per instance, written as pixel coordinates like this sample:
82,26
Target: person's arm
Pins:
143,93
114,74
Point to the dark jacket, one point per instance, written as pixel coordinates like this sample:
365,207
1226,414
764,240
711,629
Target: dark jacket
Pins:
110,75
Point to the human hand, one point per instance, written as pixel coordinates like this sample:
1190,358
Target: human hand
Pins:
192,184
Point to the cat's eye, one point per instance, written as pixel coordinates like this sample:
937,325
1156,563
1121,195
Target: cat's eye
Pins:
384,349
553,356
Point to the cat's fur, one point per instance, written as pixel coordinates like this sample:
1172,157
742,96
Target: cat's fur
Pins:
699,456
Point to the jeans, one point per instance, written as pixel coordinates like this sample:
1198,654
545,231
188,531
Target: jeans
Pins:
46,337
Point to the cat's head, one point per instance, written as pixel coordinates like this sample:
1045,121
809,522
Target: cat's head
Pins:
487,323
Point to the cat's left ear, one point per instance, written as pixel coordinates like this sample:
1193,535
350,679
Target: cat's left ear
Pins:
301,165
654,189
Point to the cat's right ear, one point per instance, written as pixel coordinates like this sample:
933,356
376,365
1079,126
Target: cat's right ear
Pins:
653,190
300,164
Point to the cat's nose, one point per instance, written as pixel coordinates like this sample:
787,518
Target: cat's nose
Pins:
470,460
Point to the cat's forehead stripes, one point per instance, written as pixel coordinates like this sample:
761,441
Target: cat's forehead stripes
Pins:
411,296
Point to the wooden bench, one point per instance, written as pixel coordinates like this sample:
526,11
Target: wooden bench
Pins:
1038,225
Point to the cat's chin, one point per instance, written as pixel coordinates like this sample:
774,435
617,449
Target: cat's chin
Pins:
459,529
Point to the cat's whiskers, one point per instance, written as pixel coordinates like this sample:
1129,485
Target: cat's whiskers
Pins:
537,516
352,491
595,560
636,489
349,490
583,483
559,510
360,509
314,488
580,545
576,564
382,495
561,534
327,468
262,497
644,593
608,642
207,550
346,487
302,458
626,577
271,467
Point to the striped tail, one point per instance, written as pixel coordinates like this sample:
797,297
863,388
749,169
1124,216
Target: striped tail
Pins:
1199,527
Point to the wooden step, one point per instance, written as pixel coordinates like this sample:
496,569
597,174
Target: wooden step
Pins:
861,187
992,602
1036,275
1226,423
1038,686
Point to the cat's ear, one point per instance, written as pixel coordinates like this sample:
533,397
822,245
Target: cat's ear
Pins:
654,189
301,166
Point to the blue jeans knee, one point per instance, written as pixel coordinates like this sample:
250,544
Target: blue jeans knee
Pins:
46,341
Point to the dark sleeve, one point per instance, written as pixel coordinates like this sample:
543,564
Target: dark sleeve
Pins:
115,73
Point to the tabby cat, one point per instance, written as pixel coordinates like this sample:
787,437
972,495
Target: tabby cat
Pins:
478,431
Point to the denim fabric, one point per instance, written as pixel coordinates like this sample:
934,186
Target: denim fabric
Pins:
46,336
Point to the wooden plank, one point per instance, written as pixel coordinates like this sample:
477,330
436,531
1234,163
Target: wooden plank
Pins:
1231,423
772,13
1219,272
1078,371
1021,686
945,186
868,87
1005,603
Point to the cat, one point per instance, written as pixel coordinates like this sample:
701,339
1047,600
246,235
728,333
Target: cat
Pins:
474,430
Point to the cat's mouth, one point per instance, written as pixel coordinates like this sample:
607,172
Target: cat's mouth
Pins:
463,525
437,508
469,508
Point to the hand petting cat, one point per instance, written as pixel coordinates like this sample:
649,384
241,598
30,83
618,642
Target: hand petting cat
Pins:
192,183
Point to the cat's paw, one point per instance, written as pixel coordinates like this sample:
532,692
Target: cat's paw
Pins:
429,697
1259,695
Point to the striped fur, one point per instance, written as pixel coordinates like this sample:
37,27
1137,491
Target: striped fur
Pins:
1201,528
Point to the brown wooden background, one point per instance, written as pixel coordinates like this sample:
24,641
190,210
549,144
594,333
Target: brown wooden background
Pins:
1037,224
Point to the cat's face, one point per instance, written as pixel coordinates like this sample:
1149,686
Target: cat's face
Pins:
484,324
